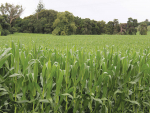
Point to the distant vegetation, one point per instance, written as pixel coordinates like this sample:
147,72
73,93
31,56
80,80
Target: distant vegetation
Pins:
61,23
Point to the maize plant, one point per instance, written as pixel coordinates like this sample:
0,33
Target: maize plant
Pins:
42,80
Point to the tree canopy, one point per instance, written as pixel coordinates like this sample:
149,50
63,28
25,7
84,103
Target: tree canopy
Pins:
5,26
40,6
11,11
143,28
64,24
131,24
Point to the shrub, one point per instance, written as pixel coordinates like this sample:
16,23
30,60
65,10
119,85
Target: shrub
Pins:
143,29
56,31
26,31
63,33
13,30
5,32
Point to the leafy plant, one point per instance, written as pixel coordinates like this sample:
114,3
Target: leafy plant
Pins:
38,79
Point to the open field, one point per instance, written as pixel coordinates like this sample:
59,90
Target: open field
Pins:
88,42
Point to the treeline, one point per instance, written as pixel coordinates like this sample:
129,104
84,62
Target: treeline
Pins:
65,23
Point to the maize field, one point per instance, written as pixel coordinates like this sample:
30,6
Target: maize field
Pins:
42,80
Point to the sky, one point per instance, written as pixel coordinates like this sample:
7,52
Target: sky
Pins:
98,10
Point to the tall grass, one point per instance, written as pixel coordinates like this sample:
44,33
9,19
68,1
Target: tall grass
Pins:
38,79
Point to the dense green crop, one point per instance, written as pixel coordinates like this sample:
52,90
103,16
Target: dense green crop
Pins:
87,42
36,79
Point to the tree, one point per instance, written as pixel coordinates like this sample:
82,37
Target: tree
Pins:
123,28
5,26
143,28
40,6
131,24
102,27
110,28
95,28
64,24
78,23
116,26
44,24
11,11
0,29
86,26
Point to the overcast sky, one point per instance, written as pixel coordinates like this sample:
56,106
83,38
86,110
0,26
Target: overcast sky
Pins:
106,10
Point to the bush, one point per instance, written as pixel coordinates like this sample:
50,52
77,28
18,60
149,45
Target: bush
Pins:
18,29
56,31
63,33
13,30
5,32
26,31
143,29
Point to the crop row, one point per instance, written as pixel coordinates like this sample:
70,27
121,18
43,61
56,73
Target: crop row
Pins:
38,79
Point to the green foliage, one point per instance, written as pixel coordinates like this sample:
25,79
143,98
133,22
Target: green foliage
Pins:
38,27
13,30
40,79
63,33
88,42
131,26
44,24
143,28
0,29
5,32
56,31
48,28
64,22
5,26
40,6
87,26
12,11
102,27
18,24
110,28
116,26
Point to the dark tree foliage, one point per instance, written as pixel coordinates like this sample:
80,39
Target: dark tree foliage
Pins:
13,30
44,24
0,29
78,23
5,26
65,23
116,26
95,28
102,27
143,28
86,27
110,28
50,16
131,24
